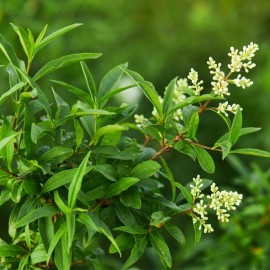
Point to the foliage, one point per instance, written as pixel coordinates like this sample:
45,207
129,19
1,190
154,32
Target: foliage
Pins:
74,174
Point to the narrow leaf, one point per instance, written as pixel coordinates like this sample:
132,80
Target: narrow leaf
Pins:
62,62
204,158
236,127
56,155
45,211
145,169
251,152
11,250
76,183
176,233
168,96
89,80
15,88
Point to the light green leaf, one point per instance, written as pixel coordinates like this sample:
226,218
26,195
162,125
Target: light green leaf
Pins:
105,130
161,249
89,81
62,62
60,204
71,226
11,250
251,152
40,43
136,252
236,127
186,193
121,185
25,39
111,80
23,262
145,169
158,219
204,158
88,222
76,182
46,229
175,232
193,125
45,211
77,92
38,255
197,233
15,88
9,52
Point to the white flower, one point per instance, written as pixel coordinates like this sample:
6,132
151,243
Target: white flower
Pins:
242,82
225,107
193,76
196,190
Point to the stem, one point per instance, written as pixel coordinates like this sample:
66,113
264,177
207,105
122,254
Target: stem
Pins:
202,146
165,148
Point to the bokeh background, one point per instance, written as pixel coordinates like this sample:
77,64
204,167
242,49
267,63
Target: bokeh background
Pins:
163,39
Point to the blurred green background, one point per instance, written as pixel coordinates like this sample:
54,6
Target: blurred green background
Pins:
163,39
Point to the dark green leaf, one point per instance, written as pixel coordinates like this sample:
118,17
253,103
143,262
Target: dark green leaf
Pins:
124,241
131,198
158,219
186,149
186,193
176,233
145,169
124,214
204,158
136,252
192,125
161,249
198,232
106,170
46,229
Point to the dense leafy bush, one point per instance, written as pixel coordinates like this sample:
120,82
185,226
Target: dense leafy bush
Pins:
75,174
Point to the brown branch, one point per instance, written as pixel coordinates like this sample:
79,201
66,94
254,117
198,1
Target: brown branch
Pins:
165,148
202,146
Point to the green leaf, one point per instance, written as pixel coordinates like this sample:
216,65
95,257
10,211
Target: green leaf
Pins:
106,130
89,80
111,80
14,215
136,252
175,232
62,107
192,125
168,96
131,229
79,93
40,43
71,226
198,232
56,155
11,250
60,232
161,249
61,178
104,229
76,182
204,158
7,150
8,93
186,193
236,127
38,255
158,219
124,214
124,241
251,152
63,61
45,211
106,170
31,185
88,222
23,262
147,89
9,52
186,149
60,204
131,198
145,169
46,229
121,185
25,39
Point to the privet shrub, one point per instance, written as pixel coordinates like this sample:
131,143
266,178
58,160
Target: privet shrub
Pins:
73,175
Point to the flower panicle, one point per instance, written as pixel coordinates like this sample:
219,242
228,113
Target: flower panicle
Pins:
219,201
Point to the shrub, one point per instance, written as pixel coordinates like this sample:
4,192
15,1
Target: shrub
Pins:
73,172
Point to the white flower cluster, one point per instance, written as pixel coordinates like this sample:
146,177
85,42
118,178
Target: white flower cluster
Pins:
239,60
225,107
220,201
196,85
